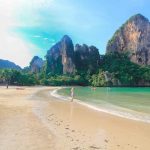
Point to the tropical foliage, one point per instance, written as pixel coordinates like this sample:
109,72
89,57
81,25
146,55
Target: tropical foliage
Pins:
127,72
115,70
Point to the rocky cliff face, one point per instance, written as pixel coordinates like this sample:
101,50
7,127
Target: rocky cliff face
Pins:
60,58
133,37
63,59
67,52
36,64
87,59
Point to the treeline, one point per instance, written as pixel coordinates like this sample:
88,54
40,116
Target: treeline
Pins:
15,77
115,70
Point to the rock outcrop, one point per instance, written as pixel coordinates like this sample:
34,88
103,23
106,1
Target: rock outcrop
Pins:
60,58
36,64
67,52
5,64
87,59
133,37
63,59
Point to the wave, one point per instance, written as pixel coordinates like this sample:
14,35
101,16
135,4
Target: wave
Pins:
54,93
111,109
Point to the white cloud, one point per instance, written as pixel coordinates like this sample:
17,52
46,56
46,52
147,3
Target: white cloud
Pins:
36,36
12,46
46,39
15,49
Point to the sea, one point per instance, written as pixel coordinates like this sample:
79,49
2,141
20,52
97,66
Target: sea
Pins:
131,103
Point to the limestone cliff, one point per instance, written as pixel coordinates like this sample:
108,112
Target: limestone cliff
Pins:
60,58
63,59
67,52
133,37
36,64
87,58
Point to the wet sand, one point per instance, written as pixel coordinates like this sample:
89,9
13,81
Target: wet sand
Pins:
32,119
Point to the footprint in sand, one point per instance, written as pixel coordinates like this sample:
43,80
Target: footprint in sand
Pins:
50,119
76,148
94,147
106,141
51,115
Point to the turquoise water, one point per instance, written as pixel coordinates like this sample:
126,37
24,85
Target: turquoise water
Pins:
135,99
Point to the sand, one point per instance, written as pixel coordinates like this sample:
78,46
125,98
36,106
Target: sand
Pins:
31,119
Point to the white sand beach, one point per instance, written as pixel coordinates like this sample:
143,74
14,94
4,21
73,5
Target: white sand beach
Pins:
32,119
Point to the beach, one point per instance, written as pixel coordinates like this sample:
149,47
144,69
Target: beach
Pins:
31,118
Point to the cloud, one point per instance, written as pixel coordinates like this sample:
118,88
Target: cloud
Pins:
46,39
15,49
85,21
36,36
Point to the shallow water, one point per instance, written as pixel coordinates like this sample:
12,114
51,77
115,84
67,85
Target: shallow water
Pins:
127,100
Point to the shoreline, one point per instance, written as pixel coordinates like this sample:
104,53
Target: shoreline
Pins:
33,119
120,112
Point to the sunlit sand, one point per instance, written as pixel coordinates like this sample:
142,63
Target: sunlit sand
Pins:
30,118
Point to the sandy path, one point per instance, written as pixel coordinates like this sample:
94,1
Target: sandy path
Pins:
33,119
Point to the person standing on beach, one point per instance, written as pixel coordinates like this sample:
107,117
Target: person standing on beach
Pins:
72,93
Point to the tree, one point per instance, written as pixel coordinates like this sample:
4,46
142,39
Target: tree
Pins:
98,79
6,75
127,72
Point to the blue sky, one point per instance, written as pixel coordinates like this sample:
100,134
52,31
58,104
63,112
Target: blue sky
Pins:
31,27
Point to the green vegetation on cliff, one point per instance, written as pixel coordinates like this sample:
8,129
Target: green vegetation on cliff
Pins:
126,72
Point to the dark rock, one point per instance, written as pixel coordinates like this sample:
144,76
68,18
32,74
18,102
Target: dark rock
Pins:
87,59
63,59
36,64
67,51
133,37
60,58
54,60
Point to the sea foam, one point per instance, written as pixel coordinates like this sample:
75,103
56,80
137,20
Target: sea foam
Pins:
111,109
